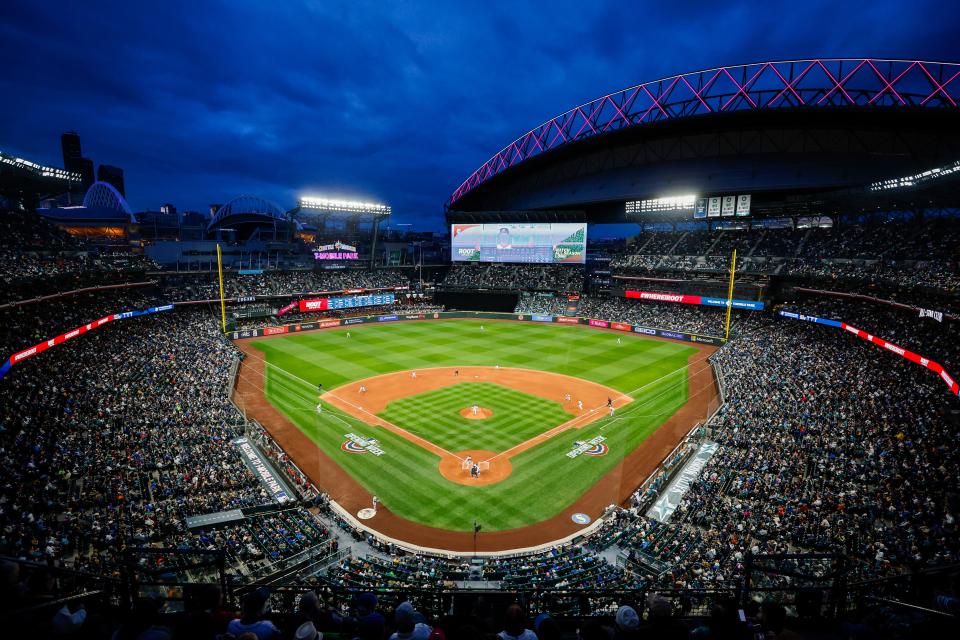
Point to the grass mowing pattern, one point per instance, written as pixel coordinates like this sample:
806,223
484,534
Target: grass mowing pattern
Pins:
435,416
544,481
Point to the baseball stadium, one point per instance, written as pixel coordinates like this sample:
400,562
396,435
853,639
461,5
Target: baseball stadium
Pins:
297,420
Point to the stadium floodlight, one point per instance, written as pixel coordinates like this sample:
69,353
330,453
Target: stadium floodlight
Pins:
42,170
320,203
911,181
683,202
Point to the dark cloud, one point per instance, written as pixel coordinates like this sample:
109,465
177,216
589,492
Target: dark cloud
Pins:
200,101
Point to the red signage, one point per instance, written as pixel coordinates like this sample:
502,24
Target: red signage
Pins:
317,304
663,297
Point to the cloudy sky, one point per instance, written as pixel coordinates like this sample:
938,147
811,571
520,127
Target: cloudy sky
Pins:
395,102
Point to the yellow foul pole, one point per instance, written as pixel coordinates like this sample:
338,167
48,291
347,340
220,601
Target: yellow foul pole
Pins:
223,305
733,270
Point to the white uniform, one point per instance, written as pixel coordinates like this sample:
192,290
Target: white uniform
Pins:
413,374
376,501
580,405
363,389
476,409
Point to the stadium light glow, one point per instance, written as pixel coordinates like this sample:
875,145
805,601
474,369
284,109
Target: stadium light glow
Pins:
683,202
914,180
43,170
321,203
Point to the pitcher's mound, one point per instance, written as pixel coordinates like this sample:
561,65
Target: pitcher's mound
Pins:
481,414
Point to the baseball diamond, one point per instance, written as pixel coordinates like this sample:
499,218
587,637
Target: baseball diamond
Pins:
530,379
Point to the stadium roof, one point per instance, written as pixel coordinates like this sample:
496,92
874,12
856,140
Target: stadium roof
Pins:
794,84
104,196
247,208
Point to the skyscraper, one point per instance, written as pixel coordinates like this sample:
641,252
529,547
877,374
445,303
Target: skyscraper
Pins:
112,175
73,159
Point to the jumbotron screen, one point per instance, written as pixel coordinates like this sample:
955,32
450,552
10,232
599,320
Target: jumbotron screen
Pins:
536,242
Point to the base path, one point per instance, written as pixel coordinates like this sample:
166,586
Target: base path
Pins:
587,403
615,487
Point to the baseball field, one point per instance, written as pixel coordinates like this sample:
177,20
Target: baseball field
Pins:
452,422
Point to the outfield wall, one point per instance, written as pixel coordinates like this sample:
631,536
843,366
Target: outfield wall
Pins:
444,315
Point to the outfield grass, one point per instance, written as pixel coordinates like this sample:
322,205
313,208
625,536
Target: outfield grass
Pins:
544,481
435,415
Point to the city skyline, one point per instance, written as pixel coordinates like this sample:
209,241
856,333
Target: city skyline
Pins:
393,104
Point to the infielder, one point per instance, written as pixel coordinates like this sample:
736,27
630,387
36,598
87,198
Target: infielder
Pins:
363,389
567,397
376,501
580,405
413,374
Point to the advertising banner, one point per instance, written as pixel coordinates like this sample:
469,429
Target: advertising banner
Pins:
289,307
621,326
347,302
568,320
599,323
680,298
264,471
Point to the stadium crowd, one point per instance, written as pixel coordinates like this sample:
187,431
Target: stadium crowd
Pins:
204,286
826,444
893,254
515,277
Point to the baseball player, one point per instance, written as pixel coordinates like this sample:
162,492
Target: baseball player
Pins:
319,408
348,334
475,471
567,397
611,410
580,405
456,373
413,374
476,409
363,389
481,327
469,461
376,501
618,340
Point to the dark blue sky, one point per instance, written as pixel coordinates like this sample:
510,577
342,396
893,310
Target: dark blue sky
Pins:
200,101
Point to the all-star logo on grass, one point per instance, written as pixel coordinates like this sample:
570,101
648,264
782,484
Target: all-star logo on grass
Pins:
592,447
359,444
